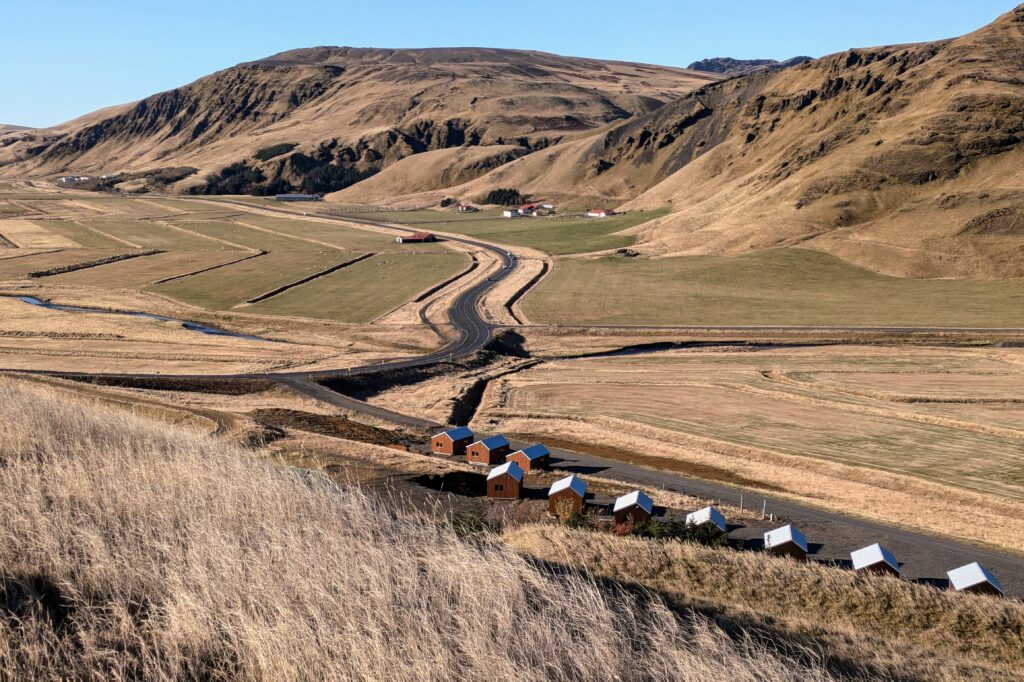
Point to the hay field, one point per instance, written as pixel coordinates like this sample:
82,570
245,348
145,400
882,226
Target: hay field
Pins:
198,236
775,287
138,550
365,290
767,416
559,234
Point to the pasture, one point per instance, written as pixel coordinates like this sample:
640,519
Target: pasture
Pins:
558,234
778,287
365,290
203,245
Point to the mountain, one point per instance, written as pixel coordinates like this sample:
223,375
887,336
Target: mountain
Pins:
906,159
318,110
6,128
727,66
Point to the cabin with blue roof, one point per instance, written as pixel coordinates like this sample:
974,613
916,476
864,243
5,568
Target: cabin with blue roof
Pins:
531,458
491,450
452,442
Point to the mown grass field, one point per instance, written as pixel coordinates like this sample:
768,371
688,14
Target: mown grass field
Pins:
779,287
197,235
553,234
366,290
231,285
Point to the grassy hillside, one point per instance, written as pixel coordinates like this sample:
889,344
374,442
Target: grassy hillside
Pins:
137,550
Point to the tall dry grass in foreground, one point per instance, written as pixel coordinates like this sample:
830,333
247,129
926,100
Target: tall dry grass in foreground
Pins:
136,550
894,627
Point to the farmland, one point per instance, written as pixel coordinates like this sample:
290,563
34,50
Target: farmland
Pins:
893,433
553,234
779,287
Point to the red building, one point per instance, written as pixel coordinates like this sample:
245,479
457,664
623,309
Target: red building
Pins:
505,482
531,458
452,442
488,450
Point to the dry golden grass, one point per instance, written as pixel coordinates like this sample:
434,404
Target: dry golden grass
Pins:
900,629
137,550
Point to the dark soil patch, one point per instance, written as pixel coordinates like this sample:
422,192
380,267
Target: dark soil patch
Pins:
702,471
187,384
334,426
464,483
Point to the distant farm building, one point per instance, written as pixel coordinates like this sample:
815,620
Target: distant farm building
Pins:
875,559
786,541
467,208
974,578
298,197
707,516
633,508
570,491
510,213
599,213
505,482
531,458
452,442
488,450
416,238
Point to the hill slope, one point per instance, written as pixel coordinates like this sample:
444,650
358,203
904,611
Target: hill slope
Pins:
728,66
358,108
134,550
905,159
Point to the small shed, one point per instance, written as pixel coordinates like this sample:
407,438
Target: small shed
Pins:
417,238
875,559
975,578
531,458
599,213
298,197
572,489
467,208
707,515
786,541
505,482
510,213
633,508
452,442
490,450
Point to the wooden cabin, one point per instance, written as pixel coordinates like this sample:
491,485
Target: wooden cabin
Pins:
875,559
633,508
488,451
786,541
572,489
531,458
505,482
452,442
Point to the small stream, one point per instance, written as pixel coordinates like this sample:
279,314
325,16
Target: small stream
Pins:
185,324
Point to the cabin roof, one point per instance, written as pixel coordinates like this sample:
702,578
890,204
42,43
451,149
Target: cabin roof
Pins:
458,433
535,451
785,535
574,482
971,575
872,555
494,442
510,468
706,515
637,498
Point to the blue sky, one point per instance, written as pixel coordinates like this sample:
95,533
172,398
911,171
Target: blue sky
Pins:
65,58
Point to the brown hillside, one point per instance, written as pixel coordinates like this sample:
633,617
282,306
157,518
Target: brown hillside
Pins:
905,159
360,107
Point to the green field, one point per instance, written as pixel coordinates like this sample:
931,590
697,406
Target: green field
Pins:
553,234
337,235
13,268
367,289
80,234
779,287
135,273
230,285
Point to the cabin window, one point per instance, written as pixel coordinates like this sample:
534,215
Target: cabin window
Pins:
498,487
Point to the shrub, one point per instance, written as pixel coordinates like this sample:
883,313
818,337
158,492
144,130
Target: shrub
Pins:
268,153
504,197
705,534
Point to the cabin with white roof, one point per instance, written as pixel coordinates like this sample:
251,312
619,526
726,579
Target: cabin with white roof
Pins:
599,212
531,458
705,516
452,442
633,508
875,559
505,482
786,541
974,578
571,490
490,450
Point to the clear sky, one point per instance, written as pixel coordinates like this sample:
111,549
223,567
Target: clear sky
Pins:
64,58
